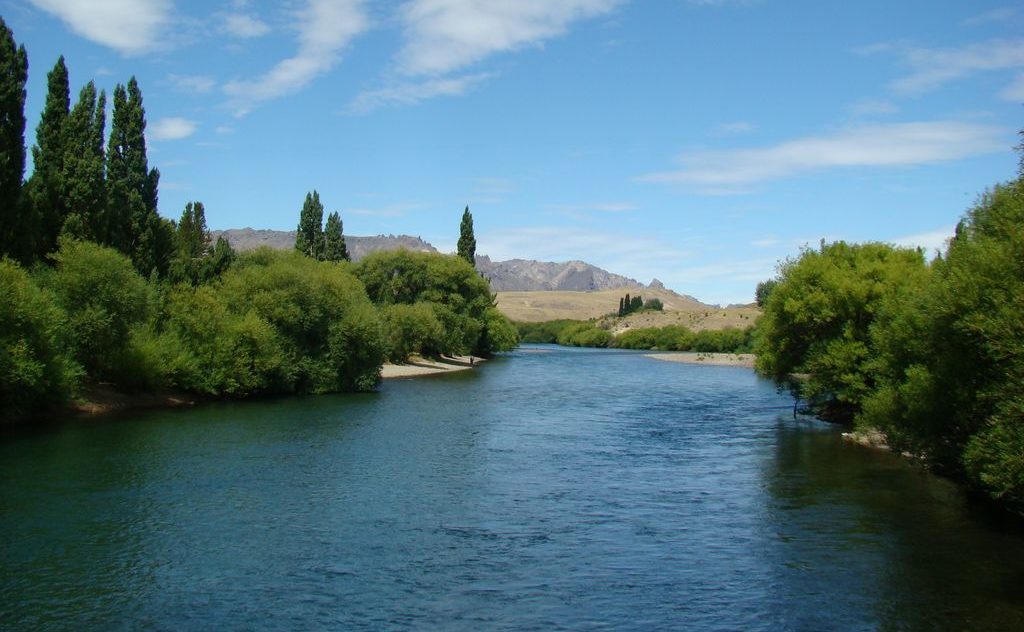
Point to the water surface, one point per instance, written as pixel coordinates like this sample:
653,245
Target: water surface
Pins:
551,489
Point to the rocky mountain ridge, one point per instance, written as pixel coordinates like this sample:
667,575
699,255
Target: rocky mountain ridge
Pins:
522,275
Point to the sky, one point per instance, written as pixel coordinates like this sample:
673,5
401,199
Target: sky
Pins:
699,142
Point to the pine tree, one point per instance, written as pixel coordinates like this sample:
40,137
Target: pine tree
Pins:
13,75
309,237
82,182
467,242
334,240
45,187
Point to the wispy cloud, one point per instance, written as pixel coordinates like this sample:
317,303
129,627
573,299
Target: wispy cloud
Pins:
931,241
734,128
1014,91
995,15
446,35
192,83
325,28
391,210
898,144
172,128
556,243
873,107
410,93
244,26
933,67
131,27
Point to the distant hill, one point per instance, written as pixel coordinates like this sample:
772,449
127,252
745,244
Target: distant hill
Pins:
523,275
534,306
514,275
358,247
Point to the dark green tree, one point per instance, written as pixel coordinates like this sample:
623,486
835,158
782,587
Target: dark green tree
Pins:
192,245
135,228
467,241
219,260
334,240
45,187
309,237
82,181
13,74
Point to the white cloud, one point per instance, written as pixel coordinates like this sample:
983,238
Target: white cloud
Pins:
244,26
613,251
413,92
899,144
392,210
446,35
192,83
933,67
172,128
128,26
325,28
931,241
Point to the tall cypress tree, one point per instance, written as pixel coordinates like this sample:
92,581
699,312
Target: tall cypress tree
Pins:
467,241
13,74
334,240
45,187
309,237
134,225
83,190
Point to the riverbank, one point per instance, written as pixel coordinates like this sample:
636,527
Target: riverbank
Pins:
417,367
714,359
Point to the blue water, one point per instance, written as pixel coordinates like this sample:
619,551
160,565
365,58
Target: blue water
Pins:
549,489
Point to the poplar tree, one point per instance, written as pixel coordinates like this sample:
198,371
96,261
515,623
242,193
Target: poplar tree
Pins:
46,187
309,237
134,224
467,242
13,75
82,182
334,240
192,241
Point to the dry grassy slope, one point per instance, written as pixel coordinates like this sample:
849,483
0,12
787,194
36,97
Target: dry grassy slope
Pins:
553,305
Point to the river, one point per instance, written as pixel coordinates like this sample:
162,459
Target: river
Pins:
549,489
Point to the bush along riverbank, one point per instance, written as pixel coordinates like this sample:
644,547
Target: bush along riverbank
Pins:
272,323
930,354
598,333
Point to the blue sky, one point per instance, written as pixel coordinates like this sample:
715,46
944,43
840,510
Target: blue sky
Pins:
696,141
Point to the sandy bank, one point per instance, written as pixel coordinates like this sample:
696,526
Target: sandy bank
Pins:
422,366
716,359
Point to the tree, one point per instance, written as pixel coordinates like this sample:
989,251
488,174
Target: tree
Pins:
334,240
309,237
13,75
46,189
467,242
763,291
135,227
82,176
192,245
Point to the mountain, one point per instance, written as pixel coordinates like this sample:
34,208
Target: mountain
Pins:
514,275
358,247
529,276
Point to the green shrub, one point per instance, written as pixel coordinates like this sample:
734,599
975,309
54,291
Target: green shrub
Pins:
411,329
36,366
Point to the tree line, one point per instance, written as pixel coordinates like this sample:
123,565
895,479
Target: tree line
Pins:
590,333
98,287
930,353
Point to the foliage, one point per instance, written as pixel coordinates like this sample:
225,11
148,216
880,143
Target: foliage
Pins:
952,354
103,297
329,331
817,319
334,240
49,208
309,236
459,297
194,262
763,291
653,305
13,75
628,305
83,190
543,332
584,334
36,368
410,329
467,240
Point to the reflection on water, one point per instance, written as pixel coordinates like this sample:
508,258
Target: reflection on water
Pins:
564,490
